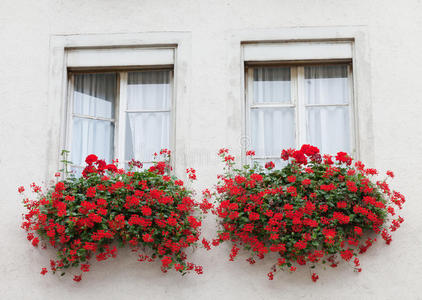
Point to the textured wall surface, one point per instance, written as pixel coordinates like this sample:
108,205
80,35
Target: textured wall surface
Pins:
212,120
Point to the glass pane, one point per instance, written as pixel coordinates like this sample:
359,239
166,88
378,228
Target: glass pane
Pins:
76,171
91,137
146,133
278,163
326,84
328,128
271,84
94,95
149,90
272,129
145,165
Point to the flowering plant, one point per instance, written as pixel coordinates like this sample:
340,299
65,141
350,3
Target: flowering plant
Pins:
316,209
84,217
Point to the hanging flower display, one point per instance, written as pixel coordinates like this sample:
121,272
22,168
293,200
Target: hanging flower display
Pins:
85,217
315,209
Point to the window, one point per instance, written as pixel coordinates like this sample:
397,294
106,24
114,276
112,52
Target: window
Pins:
122,114
291,105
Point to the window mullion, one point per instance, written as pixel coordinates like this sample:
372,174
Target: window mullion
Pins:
147,111
70,113
294,101
271,105
172,129
327,105
69,120
301,110
247,143
354,143
93,118
121,124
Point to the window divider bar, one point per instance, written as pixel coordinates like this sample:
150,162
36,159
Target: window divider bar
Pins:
324,105
353,116
294,95
121,124
247,140
143,162
77,166
301,112
272,105
173,124
148,111
93,118
69,116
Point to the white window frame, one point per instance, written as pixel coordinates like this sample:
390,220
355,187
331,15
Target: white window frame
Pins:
296,54
297,92
120,109
180,42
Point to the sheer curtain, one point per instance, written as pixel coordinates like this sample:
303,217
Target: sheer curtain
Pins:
94,97
272,126
271,85
272,130
148,116
327,109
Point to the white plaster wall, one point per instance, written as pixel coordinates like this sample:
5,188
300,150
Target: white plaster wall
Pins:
390,123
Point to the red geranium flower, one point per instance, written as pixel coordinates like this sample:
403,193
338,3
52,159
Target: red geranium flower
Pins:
90,159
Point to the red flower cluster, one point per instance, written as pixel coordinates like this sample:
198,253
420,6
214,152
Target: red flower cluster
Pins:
82,217
317,209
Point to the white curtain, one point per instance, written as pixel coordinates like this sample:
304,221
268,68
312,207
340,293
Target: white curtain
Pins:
147,129
93,96
272,128
149,90
271,85
326,84
327,125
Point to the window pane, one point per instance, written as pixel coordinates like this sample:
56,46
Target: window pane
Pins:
146,133
278,163
91,137
326,84
328,128
271,84
272,129
149,90
76,171
94,95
